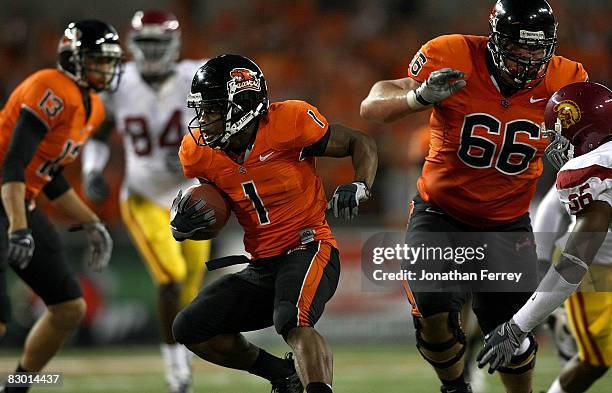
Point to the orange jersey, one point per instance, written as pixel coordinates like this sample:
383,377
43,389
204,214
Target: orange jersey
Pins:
57,101
276,192
485,150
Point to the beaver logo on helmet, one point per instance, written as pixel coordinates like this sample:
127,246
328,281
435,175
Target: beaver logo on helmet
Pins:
568,113
243,79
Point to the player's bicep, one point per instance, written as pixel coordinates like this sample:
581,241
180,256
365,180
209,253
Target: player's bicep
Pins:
26,137
341,141
590,230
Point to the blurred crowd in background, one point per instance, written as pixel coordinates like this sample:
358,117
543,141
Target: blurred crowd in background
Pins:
327,52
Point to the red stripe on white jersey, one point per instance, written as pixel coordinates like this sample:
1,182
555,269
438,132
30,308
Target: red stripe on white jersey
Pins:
570,178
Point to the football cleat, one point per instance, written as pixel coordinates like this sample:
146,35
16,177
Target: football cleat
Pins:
466,388
290,384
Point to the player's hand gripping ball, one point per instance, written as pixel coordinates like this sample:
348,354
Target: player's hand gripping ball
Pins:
199,213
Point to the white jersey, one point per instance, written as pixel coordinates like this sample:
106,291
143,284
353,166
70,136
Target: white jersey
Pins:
585,179
152,124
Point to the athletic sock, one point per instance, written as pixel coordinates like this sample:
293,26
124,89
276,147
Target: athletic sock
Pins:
556,387
176,362
455,385
21,389
318,387
271,367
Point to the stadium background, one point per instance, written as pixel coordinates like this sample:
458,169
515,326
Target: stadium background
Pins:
327,52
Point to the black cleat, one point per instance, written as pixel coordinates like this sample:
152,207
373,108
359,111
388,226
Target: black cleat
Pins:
456,389
290,384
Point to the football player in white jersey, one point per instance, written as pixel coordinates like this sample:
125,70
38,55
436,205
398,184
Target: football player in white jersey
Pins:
578,120
148,111
589,314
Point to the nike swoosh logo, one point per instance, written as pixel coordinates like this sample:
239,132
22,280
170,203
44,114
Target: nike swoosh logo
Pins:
501,330
534,296
263,158
534,100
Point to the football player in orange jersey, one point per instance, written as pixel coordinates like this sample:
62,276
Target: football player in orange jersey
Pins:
42,128
263,158
487,96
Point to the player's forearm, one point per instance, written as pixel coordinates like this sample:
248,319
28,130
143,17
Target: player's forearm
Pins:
74,208
550,223
565,276
550,294
365,158
388,102
13,199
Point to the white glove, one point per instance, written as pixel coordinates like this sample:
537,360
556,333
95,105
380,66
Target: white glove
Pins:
100,244
346,199
436,88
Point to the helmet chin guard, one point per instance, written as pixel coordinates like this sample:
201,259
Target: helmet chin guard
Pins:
560,150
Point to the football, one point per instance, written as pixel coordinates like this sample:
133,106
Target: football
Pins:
214,199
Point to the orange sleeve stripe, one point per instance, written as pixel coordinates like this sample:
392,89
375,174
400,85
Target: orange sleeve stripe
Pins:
311,283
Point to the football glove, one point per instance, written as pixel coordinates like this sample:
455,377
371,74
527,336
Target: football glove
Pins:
436,88
95,186
20,248
345,201
186,219
100,244
500,345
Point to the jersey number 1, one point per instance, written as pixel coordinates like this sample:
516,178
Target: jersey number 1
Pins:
250,191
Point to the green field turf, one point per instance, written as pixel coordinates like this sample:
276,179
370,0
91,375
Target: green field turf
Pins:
365,369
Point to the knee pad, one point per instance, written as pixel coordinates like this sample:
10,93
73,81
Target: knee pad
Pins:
523,362
285,318
446,354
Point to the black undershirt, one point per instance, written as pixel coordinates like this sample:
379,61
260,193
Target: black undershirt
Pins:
29,131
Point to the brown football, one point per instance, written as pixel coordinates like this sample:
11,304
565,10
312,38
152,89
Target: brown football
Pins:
216,200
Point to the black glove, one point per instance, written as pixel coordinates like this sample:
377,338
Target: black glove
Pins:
500,345
95,186
20,248
186,219
345,201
